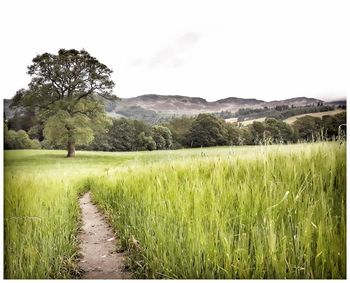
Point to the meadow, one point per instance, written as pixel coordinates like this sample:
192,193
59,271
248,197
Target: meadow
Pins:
274,211
292,119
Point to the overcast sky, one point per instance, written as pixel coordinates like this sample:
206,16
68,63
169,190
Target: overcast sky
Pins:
212,49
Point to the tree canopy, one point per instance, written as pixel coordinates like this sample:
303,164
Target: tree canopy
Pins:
63,93
207,130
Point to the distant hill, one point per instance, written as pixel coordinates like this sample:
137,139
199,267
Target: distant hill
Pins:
291,119
154,108
337,102
169,105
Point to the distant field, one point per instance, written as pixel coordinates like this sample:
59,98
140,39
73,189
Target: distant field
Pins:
292,119
248,122
226,212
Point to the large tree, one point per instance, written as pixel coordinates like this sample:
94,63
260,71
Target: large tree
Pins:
207,130
64,92
162,137
179,128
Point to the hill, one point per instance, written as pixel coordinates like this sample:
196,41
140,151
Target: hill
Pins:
176,104
289,120
154,108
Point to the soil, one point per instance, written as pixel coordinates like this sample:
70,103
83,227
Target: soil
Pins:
99,256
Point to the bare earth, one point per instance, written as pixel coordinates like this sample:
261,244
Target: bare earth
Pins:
100,260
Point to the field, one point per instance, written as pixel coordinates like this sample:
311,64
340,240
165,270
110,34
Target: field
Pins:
228,212
290,120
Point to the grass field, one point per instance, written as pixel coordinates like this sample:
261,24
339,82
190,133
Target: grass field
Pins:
243,212
289,120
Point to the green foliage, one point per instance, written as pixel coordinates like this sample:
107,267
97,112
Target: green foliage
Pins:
270,212
101,142
23,119
257,130
63,94
265,212
35,144
246,137
22,139
278,131
207,130
19,140
331,123
312,128
281,112
234,134
146,143
306,127
271,131
58,127
139,113
162,137
180,128
122,135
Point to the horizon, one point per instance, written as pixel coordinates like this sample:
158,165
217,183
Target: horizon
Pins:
248,98
293,97
246,50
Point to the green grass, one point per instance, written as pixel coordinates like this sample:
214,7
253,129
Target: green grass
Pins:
289,120
244,212
292,119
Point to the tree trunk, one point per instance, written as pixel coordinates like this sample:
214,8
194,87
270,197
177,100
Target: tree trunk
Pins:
71,149
71,143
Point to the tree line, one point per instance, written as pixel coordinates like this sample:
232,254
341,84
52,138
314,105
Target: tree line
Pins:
204,130
279,112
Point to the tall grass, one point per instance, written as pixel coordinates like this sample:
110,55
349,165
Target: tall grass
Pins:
40,227
278,214
244,212
41,219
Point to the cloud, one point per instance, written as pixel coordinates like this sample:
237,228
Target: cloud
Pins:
172,55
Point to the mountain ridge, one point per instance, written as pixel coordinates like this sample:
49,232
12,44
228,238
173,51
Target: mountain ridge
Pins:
154,107
186,105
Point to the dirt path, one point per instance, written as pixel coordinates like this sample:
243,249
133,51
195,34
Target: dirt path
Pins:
98,246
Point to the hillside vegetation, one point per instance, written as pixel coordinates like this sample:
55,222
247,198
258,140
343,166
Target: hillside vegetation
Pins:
153,108
291,120
227,212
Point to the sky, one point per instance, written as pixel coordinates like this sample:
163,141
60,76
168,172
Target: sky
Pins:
211,49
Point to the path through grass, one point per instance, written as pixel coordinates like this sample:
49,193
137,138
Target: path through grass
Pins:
244,212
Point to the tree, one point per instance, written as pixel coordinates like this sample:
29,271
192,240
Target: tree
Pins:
307,127
278,130
179,128
63,92
207,130
146,142
233,134
246,137
23,119
331,123
122,135
162,137
257,130
19,140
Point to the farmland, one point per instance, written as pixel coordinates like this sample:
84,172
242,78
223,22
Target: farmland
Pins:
292,119
226,212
